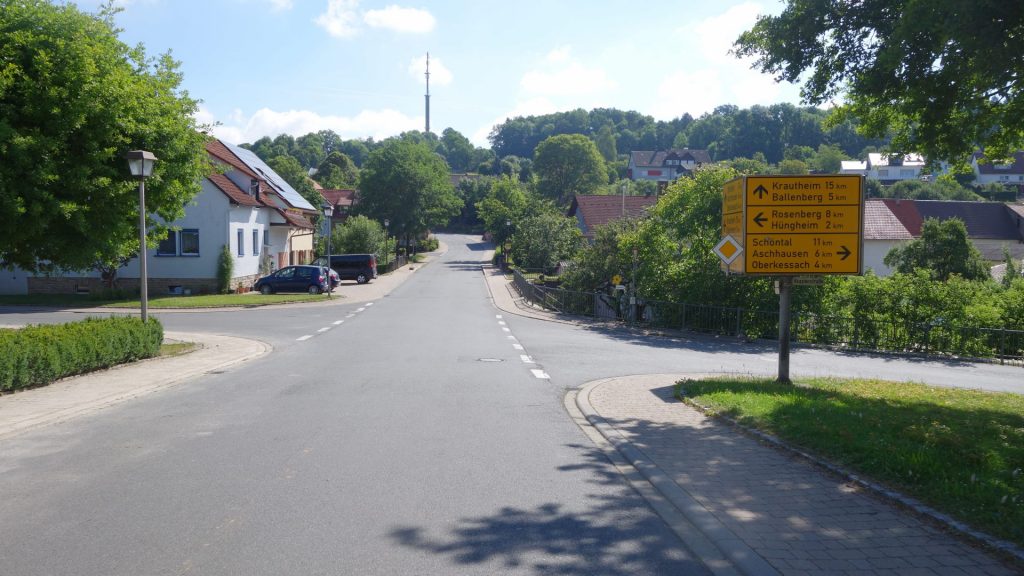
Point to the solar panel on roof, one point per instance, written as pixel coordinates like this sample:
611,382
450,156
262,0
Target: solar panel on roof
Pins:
254,163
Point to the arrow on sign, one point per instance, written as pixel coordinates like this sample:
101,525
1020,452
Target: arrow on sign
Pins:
760,191
844,253
759,219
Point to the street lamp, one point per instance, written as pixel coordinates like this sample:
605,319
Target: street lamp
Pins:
140,162
329,212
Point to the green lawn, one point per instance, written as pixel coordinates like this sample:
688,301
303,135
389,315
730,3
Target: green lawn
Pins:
198,301
958,451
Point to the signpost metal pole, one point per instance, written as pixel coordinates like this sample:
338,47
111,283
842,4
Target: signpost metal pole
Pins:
785,298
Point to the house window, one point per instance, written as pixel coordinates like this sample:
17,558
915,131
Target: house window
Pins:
169,245
241,243
883,173
190,242
266,237
255,242
654,172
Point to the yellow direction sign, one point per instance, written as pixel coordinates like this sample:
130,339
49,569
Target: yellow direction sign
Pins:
795,225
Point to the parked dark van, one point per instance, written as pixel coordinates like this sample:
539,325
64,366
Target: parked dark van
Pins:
359,267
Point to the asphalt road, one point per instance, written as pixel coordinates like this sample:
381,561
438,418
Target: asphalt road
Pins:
409,437
421,433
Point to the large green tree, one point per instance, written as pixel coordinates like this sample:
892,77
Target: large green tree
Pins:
540,242
407,183
337,171
567,165
73,100
943,250
944,75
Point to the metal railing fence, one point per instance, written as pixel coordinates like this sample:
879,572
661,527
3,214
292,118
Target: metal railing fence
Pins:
852,333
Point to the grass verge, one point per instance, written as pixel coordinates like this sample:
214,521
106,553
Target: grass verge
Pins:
958,451
176,348
197,301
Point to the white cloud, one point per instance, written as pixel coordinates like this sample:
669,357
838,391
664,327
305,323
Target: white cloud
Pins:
712,76
439,75
562,75
400,19
340,18
266,122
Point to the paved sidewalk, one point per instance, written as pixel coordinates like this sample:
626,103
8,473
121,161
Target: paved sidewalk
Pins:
71,397
745,507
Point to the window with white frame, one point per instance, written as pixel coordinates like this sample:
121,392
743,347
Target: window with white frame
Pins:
241,242
266,238
255,242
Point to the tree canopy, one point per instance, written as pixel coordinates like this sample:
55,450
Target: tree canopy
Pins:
943,250
73,100
944,75
567,165
408,184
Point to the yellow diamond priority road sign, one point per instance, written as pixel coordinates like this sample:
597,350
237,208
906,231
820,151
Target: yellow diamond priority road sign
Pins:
795,225
728,249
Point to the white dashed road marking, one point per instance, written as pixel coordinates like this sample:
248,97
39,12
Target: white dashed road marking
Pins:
324,329
501,322
517,346
537,373
511,337
526,359
337,322
306,337
506,329
499,316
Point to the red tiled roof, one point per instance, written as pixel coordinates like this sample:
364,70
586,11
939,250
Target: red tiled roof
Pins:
906,212
343,197
236,194
600,210
221,152
881,224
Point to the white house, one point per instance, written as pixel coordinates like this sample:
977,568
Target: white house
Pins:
1005,173
885,168
664,166
245,206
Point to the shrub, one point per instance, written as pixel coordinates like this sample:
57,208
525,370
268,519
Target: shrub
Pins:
428,245
38,355
225,269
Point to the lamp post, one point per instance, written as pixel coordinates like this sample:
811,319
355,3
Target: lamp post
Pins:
328,213
140,162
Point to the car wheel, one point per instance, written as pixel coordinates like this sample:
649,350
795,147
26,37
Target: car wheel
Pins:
266,290
314,289
362,279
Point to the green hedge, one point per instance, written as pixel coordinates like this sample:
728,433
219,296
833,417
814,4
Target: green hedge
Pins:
38,355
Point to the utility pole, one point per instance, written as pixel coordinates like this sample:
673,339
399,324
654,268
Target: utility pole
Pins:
427,96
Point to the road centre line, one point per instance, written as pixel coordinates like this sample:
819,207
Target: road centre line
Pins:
511,337
538,373
498,316
506,329
302,338
337,322
324,329
517,346
501,323
350,315
526,359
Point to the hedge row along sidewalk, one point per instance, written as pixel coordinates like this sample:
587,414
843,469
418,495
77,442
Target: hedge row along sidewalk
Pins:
40,354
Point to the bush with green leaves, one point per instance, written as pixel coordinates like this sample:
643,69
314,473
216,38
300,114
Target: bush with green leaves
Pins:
40,354
225,269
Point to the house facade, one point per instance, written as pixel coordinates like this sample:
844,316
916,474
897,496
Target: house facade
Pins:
1009,174
245,206
887,169
991,227
664,166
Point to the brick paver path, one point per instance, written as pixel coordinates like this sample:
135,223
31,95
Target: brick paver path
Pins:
796,516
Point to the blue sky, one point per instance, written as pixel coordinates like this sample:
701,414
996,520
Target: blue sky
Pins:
266,67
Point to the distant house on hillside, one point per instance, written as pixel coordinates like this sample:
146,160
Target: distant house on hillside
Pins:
991,226
886,169
664,166
593,211
1009,174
